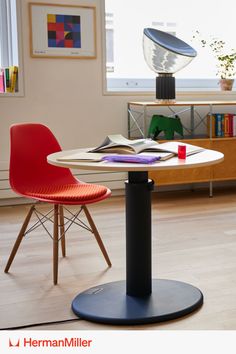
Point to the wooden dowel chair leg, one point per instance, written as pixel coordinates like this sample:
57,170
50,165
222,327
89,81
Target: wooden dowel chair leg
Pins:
19,239
62,230
55,245
96,234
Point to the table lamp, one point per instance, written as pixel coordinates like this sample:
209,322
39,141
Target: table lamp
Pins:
165,54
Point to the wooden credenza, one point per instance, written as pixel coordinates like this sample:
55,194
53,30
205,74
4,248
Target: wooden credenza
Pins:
224,171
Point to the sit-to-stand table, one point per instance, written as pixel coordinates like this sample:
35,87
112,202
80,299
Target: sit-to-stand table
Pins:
138,299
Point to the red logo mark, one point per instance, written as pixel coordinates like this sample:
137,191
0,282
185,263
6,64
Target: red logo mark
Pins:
17,344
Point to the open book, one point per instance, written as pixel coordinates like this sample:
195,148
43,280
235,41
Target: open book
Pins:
117,144
96,157
120,145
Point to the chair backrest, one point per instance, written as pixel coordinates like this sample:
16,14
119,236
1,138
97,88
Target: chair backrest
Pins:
30,145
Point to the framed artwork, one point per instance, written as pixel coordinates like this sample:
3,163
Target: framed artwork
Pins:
62,31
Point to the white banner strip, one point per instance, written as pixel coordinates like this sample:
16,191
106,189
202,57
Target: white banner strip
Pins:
117,342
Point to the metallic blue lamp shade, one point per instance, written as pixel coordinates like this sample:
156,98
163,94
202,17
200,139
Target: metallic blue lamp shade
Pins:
165,54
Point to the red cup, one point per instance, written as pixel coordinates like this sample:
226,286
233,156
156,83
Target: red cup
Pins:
182,152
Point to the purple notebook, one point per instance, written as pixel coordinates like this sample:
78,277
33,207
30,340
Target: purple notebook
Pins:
145,159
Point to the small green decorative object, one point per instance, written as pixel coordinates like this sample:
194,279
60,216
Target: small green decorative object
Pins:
168,125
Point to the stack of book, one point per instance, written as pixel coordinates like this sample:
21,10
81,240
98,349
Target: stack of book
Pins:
221,125
9,79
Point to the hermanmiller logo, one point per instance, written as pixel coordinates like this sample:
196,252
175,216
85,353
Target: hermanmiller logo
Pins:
65,342
15,344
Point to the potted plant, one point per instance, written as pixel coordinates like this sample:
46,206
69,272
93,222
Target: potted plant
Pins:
226,69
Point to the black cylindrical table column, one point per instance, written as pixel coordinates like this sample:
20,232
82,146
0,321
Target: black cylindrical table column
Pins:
138,234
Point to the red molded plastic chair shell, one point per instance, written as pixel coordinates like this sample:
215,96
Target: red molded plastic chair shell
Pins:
32,176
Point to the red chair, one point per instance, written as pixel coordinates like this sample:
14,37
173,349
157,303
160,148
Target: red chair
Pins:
32,177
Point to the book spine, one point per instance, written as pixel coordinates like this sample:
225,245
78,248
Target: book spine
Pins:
222,125
2,83
226,124
7,80
234,125
218,125
13,78
211,125
230,124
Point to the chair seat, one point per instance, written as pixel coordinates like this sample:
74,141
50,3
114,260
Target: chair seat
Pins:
69,193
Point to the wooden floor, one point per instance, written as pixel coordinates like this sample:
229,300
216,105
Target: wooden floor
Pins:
194,240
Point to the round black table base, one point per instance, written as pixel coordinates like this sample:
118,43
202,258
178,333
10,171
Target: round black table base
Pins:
108,303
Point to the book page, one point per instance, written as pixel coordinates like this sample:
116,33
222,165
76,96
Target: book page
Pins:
83,156
162,155
172,146
118,143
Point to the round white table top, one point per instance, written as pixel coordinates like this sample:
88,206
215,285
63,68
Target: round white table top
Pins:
200,159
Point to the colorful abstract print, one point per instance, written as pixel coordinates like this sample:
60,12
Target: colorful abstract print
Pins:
64,31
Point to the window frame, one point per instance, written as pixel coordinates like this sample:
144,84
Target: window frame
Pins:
20,92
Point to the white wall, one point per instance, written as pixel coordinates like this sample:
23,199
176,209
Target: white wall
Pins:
67,95
64,94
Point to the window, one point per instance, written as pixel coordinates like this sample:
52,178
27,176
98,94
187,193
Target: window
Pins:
124,44
109,43
9,57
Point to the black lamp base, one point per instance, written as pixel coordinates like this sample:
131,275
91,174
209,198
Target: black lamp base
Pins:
165,87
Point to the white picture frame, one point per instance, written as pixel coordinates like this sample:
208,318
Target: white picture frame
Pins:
62,31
